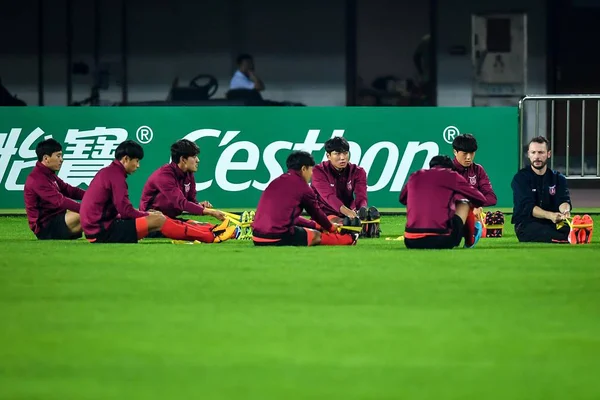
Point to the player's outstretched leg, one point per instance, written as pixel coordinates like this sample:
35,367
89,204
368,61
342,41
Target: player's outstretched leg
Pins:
179,230
316,237
338,239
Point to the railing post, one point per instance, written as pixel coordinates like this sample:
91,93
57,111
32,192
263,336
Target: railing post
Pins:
552,98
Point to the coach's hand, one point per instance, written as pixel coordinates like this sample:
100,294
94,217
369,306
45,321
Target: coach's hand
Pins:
215,213
556,217
206,204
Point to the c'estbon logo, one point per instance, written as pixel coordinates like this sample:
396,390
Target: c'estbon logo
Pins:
395,170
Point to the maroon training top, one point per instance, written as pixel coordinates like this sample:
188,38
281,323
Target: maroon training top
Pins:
171,191
107,197
281,204
46,195
429,196
336,188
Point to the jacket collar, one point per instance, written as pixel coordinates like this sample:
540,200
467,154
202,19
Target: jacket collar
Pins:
459,167
44,170
119,166
178,172
335,171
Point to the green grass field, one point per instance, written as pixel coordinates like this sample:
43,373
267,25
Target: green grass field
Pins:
230,321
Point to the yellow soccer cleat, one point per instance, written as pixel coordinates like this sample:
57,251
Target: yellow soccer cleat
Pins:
227,234
217,230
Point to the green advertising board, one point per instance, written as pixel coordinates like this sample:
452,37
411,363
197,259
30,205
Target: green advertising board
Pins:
244,148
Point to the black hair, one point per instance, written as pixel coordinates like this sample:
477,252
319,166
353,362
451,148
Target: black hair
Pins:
539,139
466,143
243,57
441,161
298,159
47,148
129,148
183,148
338,143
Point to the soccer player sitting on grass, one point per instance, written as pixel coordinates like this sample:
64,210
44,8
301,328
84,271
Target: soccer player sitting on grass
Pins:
465,147
438,202
107,215
542,202
278,222
341,188
171,189
50,204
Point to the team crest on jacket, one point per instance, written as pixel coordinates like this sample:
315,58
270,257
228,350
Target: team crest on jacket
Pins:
552,190
349,185
473,180
187,187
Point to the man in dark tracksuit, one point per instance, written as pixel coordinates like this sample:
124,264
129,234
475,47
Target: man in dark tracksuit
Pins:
541,198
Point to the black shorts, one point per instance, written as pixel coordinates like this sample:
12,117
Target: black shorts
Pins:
56,229
541,232
299,237
439,241
120,231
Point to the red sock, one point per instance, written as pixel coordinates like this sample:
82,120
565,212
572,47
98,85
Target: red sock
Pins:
179,230
141,227
335,239
469,231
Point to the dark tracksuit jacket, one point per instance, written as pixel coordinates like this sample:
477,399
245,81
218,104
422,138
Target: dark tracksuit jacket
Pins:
548,192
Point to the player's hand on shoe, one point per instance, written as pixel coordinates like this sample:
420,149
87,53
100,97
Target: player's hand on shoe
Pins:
557,217
335,227
215,213
155,212
206,204
348,212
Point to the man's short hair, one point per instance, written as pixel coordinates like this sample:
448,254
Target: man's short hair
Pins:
466,143
129,148
243,57
47,148
338,144
183,148
298,159
541,140
441,161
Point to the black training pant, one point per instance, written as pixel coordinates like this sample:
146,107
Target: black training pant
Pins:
541,232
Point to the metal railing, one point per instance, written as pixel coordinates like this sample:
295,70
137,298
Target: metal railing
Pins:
561,136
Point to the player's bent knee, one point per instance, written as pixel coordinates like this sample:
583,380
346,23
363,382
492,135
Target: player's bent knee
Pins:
73,221
463,209
155,222
316,238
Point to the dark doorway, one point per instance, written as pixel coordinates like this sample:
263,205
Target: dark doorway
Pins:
574,62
